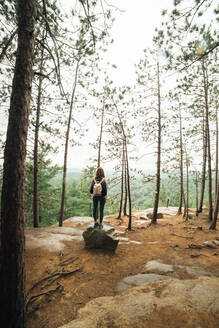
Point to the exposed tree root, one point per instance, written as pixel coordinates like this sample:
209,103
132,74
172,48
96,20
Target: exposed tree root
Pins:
187,237
68,260
57,274
59,288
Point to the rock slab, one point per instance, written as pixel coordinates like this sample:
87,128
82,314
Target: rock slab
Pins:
99,239
139,279
167,303
157,266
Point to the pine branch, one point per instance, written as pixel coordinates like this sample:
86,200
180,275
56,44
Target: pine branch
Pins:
3,53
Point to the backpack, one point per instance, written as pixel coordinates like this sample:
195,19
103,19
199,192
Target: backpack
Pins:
97,190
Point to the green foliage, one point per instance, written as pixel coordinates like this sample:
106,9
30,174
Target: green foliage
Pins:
48,194
78,197
143,193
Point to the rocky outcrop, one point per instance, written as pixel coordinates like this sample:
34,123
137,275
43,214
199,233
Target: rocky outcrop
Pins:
211,243
169,303
155,271
100,239
139,279
153,266
159,268
159,215
51,239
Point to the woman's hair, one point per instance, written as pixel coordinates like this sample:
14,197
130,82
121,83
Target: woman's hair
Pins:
99,175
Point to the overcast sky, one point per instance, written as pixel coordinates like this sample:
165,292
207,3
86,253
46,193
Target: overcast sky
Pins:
132,32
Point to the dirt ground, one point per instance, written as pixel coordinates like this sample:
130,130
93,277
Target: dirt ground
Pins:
59,283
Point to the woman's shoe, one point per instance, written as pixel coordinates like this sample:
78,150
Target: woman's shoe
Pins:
96,224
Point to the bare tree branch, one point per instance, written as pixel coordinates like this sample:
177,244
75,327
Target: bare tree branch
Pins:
4,50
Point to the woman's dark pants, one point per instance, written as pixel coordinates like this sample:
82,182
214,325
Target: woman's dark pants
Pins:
101,200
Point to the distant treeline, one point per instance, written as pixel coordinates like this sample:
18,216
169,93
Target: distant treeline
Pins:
79,200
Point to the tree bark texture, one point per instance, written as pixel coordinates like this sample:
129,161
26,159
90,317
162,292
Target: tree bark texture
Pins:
157,192
66,146
36,142
12,269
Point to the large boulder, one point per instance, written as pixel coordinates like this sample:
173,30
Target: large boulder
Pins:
98,238
169,303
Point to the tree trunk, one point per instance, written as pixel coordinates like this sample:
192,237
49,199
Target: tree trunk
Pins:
214,222
187,188
127,170
66,146
128,187
216,159
205,77
185,205
157,193
126,191
196,184
100,138
36,142
202,190
99,153
181,165
12,272
122,182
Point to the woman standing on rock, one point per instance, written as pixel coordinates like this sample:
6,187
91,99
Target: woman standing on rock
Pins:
99,190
